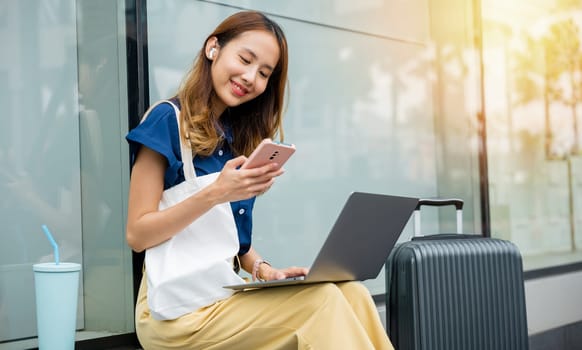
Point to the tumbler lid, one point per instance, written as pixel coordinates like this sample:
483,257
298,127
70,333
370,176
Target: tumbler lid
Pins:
53,267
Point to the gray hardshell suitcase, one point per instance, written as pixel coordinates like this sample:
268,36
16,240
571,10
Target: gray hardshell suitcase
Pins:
455,291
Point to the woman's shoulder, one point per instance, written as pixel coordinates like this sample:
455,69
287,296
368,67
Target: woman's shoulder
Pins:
161,112
158,131
158,125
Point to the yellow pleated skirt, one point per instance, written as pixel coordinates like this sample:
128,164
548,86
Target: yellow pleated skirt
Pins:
318,317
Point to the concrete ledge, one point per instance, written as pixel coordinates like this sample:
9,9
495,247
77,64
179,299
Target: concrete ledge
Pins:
567,337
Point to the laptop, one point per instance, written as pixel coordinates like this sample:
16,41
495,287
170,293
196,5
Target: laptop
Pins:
358,244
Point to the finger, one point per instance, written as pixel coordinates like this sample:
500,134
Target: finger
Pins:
277,172
296,271
268,170
267,179
260,184
235,162
266,186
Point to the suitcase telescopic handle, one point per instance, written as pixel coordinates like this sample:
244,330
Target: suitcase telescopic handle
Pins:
458,203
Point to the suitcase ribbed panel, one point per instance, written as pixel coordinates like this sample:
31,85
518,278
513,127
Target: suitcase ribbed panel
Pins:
458,294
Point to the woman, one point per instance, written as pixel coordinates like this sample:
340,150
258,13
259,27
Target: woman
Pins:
231,100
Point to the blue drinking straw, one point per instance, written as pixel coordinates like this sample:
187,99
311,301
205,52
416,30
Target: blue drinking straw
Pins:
53,243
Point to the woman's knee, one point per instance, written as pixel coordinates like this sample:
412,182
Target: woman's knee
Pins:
342,291
356,293
353,288
325,290
320,294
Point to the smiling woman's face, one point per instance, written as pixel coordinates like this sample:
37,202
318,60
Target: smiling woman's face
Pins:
241,68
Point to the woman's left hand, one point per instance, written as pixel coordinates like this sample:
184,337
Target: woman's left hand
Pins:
269,273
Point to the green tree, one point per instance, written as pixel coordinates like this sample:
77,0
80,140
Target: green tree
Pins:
551,68
563,58
532,82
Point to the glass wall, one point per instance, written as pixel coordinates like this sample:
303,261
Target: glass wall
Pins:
63,160
533,85
383,96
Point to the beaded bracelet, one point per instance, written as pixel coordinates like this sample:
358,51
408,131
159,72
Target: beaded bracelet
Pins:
256,265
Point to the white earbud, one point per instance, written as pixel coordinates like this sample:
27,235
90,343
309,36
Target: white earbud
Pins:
211,53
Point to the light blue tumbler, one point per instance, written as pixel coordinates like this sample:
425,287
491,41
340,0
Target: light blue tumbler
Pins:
56,287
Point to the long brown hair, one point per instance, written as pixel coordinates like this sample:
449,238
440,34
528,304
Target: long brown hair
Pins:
251,121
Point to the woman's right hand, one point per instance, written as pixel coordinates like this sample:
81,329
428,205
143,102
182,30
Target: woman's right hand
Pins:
147,226
234,184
